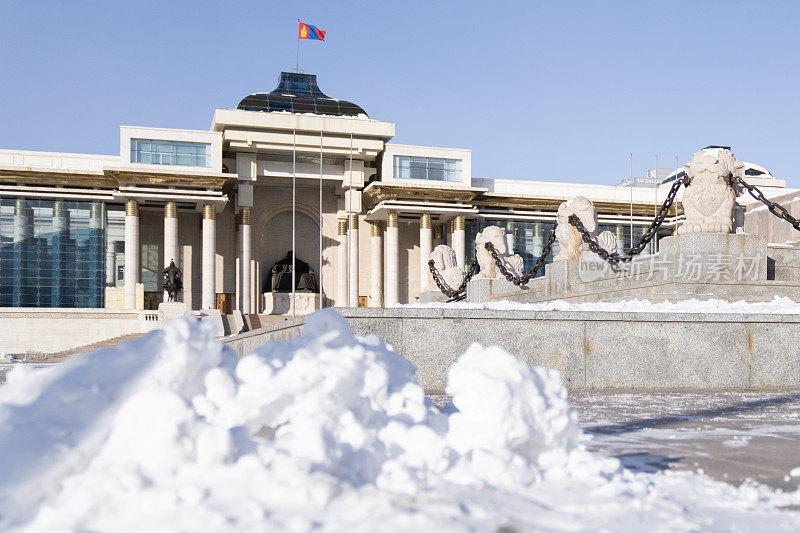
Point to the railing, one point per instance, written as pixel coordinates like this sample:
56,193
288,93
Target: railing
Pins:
150,316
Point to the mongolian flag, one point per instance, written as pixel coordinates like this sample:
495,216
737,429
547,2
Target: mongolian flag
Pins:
307,31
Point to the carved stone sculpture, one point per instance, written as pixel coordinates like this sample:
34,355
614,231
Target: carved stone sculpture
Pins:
281,276
709,198
173,281
444,261
569,240
488,269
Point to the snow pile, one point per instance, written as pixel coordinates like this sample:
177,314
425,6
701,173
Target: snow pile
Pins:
327,431
778,305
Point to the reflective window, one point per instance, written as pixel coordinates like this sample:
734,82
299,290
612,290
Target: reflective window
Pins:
52,253
158,152
427,168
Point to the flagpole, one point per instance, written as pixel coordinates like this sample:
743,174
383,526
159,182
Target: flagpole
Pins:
294,175
321,304
297,63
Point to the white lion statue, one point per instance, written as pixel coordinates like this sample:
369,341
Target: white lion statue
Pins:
569,240
444,261
511,261
709,198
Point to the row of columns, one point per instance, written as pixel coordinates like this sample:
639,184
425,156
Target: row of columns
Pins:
171,250
385,289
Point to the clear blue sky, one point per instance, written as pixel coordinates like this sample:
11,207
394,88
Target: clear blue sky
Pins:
548,91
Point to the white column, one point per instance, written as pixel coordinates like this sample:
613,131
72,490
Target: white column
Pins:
131,252
208,300
171,252
425,249
244,260
341,265
352,239
111,264
459,240
538,240
376,275
392,260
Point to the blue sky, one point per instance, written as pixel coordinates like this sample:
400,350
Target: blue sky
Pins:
546,91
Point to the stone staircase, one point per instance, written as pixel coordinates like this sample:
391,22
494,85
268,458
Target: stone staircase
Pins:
107,343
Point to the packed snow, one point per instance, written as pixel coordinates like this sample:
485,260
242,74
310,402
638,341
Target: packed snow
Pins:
329,432
778,305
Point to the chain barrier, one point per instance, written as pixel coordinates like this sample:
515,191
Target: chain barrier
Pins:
615,257
458,294
532,272
611,257
775,208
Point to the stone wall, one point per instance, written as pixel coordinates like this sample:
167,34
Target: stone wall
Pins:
592,350
28,330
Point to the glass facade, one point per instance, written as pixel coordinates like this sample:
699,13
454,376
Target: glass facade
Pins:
427,168
158,152
52,253
529,238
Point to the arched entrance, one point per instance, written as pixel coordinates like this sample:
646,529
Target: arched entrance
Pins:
276,240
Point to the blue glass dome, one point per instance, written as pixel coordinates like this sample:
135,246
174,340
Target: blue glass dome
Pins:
299,93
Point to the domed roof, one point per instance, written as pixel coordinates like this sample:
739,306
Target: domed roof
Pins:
299,93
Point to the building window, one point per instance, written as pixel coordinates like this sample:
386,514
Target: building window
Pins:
157,152
427,168
121,273
52,253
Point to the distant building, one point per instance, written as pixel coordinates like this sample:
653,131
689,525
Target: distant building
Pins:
95,231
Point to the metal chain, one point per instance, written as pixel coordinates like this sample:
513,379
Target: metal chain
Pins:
532,272
614,257
458,294
775,208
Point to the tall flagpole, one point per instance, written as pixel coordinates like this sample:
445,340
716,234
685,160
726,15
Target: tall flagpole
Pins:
632,200
297,63
320,220
349,208
294,175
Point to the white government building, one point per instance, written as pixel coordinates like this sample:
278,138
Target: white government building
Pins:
96,231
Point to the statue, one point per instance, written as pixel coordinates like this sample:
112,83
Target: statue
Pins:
173,281
569,240
281,277
444,261
511,261
710,195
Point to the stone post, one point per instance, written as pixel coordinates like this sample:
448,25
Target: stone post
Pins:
392,260
209,267
376,274
131,252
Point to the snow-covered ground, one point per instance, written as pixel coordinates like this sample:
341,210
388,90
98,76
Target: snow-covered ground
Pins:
778,305
327,432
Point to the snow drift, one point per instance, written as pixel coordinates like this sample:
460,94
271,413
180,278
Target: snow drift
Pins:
328,431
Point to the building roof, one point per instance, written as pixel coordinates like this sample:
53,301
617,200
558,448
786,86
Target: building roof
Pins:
299,93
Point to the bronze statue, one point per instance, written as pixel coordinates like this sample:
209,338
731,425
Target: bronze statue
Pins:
281,278
173,281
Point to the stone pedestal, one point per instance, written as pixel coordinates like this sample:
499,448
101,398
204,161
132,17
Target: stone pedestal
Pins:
483,289
427,297
694,265
170,310
280,303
